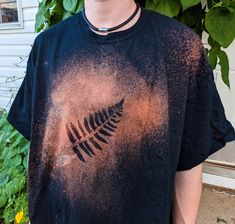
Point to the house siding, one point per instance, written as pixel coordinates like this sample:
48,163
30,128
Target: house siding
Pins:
15,45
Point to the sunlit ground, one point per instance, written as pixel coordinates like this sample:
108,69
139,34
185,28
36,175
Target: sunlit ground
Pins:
217,206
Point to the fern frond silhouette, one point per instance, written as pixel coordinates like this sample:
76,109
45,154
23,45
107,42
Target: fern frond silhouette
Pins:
96,128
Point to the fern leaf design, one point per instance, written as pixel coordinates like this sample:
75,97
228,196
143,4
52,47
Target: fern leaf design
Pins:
95,130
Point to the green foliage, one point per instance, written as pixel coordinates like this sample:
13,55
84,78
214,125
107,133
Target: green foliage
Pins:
189,3
219,24
216,18
51,12
167,7
13,172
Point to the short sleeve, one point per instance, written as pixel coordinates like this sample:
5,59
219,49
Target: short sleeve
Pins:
19,114
206,129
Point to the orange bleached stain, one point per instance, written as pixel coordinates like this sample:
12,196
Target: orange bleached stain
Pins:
83,91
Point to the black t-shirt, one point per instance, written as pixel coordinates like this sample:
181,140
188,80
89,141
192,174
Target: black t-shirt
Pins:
111,118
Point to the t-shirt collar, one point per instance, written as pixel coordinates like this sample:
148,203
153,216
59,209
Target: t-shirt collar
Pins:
90,35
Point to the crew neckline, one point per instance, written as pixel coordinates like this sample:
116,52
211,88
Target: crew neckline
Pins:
90,35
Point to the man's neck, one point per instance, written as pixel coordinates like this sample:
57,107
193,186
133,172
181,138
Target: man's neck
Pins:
109,13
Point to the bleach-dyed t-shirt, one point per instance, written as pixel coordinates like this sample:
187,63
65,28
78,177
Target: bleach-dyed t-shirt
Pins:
111,118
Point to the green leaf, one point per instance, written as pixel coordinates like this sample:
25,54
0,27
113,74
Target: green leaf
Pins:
166,7
220,26
3,121
189,3
23,148
70,5
11,152
14,133
224,64
3,200
15,161
66,14
9,215
80,6
3,179
18,140
18,170
226,5
13,186
213,58
210,41
9,171
25,162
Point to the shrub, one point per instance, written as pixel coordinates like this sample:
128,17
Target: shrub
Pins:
13,174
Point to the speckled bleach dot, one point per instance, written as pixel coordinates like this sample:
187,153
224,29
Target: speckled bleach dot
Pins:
111,119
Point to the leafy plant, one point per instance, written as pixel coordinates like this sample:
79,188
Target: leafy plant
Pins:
13,173
215,17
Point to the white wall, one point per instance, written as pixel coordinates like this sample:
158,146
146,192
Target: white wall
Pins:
15,45
228,99
228,96
224,175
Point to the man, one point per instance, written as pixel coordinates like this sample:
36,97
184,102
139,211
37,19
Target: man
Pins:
119,120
